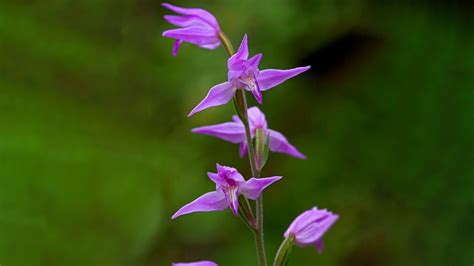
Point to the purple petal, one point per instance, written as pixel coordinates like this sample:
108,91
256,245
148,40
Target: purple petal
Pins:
198,35
255,61
313,232
185,21
270,78
230,131
229,174
176,46
328,223
278,143
252,188
310,226
319,246
211,46
218,95
211,201
256,118
242,54
196,263
236,119
243,149
214,177
234,74
226,176
200,13
299,222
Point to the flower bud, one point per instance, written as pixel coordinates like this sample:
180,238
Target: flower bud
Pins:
310,226
196,26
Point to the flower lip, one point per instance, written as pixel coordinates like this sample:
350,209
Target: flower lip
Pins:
231,194
251,83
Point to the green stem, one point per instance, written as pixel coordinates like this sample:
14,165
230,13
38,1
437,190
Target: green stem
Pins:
259,237
258,232
248,137
227,43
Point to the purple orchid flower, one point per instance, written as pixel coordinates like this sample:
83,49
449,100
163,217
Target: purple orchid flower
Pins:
310,226
196,263
229,185
198,27
244,73
235,132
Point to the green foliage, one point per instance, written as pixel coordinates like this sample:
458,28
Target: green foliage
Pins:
96,151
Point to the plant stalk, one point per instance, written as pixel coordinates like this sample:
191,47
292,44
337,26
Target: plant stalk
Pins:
258,232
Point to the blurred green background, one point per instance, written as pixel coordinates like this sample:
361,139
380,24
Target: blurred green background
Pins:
96,152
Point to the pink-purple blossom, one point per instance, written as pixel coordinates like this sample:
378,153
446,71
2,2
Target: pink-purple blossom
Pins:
310,226
196,263
197,26
230,184
235,132
244,73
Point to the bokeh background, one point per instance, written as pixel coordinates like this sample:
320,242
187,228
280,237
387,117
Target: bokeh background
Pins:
96,152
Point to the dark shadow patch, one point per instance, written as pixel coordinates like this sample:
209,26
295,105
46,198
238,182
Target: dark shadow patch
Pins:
337,59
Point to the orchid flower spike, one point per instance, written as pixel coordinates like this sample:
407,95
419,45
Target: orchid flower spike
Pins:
310,226
198,27
196,263
230,184
235,132
244,73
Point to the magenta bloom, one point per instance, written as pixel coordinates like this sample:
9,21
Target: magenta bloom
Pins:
229,185
196,263
198,27
244,73
310,226
235,132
